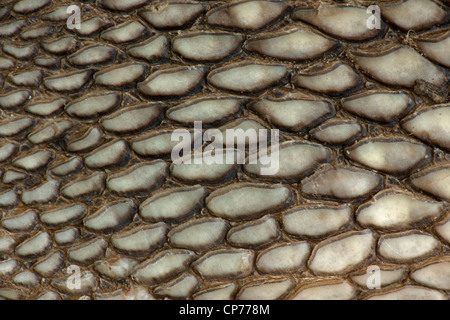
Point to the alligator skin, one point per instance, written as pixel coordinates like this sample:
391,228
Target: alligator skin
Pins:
93,207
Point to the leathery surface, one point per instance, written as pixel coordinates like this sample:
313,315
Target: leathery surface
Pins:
88,187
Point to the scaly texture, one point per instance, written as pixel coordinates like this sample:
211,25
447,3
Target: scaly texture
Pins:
87,179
